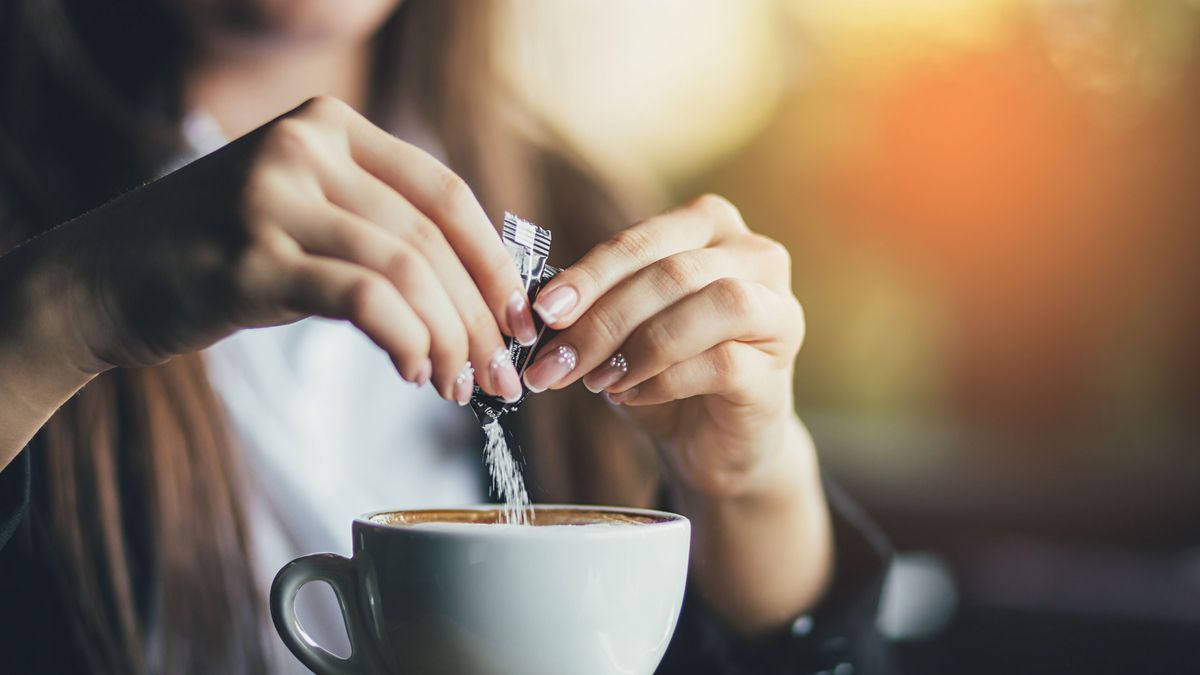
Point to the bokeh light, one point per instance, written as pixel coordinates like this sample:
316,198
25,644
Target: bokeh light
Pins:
992,207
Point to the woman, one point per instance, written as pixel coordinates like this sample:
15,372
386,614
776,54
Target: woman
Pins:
140,526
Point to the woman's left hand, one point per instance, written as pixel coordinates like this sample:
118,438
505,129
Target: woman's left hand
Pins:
688,319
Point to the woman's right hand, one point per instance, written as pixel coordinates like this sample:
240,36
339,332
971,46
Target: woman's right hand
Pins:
316,213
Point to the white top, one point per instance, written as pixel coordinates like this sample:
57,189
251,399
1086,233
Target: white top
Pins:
328,431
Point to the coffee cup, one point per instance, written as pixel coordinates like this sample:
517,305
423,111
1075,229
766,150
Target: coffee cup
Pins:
584,590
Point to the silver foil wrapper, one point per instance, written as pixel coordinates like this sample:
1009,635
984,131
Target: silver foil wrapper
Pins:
529,246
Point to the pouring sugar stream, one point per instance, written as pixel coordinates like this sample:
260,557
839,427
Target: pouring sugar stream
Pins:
529,246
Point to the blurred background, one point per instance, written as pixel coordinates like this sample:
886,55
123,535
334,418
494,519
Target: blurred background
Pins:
993,211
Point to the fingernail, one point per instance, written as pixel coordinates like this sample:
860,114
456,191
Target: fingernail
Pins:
556,304
550,368
423,373
606,375
623,397
504,376
464,384
520,321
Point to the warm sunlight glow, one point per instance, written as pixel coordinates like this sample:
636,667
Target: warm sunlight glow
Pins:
667,85
980,196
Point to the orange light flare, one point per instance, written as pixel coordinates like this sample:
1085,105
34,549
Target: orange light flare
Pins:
989,172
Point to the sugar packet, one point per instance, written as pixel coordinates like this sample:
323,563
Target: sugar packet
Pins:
529,246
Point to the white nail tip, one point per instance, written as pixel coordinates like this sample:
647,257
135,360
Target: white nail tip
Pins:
499,358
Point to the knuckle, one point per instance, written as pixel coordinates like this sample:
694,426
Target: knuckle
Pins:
324,107
605,326
776,254
729,364
455,192
658,338
634,243
364,295
345,237
297,139
291,128
735,296
421,230
721,209
678,274
481,325
399,262
273,245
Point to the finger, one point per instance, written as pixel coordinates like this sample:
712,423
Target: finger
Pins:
727,309
571,293
733,370
447,200
772,261
337,233
370,198
599,333
341,290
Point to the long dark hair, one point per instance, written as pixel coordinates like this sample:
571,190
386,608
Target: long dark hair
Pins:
136,504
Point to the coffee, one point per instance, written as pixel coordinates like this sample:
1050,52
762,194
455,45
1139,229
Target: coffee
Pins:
543,517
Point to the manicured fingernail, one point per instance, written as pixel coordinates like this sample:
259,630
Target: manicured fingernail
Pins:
556,304
550,367
623,397
520,321
606,375
464,384
423,373
504,376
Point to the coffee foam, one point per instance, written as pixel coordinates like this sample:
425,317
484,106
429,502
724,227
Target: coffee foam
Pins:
495,517
508,527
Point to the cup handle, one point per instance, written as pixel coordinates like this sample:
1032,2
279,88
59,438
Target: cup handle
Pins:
338,572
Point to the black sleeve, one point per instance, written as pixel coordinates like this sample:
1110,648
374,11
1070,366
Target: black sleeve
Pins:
14,495
838,637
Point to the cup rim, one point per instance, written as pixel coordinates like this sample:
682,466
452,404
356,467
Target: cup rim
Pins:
669,520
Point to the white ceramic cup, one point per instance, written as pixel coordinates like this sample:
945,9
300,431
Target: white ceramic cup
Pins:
486,599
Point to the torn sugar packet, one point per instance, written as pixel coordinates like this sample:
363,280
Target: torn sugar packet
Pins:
529,246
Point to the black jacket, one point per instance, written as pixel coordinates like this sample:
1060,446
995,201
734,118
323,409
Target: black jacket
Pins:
837,638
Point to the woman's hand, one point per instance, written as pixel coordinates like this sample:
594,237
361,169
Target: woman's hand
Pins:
687,320
316,213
